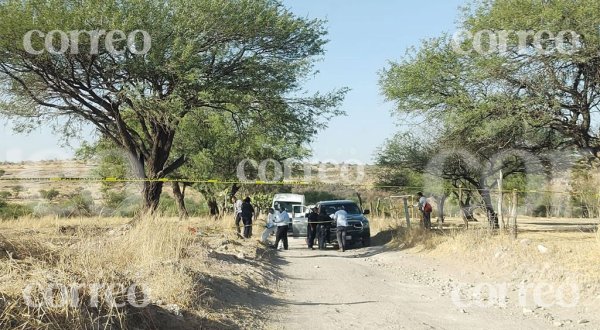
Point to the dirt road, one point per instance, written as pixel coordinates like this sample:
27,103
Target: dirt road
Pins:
378,289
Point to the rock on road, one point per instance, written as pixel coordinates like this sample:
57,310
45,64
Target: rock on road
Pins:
376,289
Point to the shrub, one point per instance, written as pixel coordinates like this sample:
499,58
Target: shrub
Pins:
80,204
5,194
49,194
315,196
114,199
14,211
167,206
120,203
17,190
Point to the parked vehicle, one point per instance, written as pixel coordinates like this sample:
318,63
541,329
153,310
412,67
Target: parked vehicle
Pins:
294,205
358,230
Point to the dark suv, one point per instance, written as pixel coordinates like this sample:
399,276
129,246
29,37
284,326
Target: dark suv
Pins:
358,230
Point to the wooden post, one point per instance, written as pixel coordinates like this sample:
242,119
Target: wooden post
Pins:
460,208
598,203
500,214
513,215
405,200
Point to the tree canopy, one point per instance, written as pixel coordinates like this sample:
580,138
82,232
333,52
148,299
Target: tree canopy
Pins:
243,59
498,107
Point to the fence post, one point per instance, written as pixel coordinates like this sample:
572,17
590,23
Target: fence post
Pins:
405,200
500,214
513,215
460,207
598,203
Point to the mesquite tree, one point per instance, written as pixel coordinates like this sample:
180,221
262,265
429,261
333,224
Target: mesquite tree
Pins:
209,56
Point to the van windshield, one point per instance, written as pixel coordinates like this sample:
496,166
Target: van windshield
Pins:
351,208
286,205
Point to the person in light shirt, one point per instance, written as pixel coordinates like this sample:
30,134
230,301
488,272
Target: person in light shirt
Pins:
270,227
237,211
341,219
282,229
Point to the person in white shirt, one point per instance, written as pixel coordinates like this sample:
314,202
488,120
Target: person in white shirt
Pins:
282,229
341,218
270,227
237,212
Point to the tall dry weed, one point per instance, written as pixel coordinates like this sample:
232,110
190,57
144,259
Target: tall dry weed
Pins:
147,255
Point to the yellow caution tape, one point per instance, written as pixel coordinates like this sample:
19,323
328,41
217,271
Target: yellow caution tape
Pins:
257,182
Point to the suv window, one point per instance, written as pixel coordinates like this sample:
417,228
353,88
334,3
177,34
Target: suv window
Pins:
351,208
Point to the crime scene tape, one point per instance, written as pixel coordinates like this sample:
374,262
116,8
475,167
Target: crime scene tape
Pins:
259,182
125,180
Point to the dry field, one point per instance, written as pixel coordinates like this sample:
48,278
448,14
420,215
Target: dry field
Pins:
197,274
190,274
550,250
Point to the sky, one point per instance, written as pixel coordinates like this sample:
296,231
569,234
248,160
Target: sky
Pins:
364,36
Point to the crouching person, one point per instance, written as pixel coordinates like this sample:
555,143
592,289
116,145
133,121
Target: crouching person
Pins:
270,227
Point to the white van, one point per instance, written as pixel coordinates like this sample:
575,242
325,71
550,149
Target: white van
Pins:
295,207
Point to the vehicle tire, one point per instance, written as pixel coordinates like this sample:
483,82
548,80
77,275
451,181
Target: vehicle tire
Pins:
366,241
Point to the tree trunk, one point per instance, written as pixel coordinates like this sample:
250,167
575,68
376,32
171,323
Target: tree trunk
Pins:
151,196
489,207
180,200
213,206
211,199
154,165
466,211
441,201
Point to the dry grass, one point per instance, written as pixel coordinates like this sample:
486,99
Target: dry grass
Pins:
173,259
549,257
535,256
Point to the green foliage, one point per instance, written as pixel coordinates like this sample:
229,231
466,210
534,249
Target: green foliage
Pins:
50,194
227,65
11,211
262,201
79,204
475,106
2,172
5,195
584,192
314,196
549,83
17,190
114,199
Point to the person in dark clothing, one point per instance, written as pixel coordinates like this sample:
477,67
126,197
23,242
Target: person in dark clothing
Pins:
313,219
247,215
324,228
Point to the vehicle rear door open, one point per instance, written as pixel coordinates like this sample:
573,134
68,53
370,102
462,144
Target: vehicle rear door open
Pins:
299,220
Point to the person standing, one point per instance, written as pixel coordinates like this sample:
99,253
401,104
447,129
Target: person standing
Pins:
247,215
270,227
323,228
341,219
237,212
425,209
313,219
282,229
